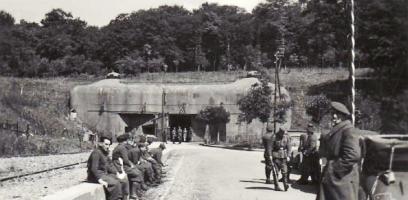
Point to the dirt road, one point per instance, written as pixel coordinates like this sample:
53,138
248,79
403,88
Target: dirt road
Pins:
197,172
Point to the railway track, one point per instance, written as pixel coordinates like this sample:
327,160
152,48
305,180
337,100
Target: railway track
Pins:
38,172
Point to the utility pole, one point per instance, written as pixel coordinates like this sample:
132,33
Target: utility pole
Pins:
163,131
352,67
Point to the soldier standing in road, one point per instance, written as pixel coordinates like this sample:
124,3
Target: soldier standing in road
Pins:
269,165
340,177
302,142
310,165
281,149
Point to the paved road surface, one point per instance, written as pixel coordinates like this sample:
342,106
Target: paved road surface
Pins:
200,173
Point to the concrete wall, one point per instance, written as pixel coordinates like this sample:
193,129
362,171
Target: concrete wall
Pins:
83,191
100,104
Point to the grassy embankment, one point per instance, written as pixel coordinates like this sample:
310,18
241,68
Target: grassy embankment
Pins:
43,104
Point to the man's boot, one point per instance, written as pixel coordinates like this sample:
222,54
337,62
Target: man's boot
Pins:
268,175
135,186
285,182
275,182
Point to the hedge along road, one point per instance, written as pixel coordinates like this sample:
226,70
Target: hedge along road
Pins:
198,172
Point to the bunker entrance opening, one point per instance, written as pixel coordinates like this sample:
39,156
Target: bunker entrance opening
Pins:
180,120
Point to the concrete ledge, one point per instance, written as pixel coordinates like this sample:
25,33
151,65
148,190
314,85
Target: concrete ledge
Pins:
83,191
91,191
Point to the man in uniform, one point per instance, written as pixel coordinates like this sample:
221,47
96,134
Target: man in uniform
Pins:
281,149
120,157
157,154
180,134
173,135
340,177
269,165
310,165
100,170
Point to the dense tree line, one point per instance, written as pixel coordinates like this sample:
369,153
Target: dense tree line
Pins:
212,37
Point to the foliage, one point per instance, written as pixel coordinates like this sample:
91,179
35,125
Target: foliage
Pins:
257,103
214,115
317,106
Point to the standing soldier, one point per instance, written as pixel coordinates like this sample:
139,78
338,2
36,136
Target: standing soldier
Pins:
281,149
302,142
340,177
269,165
310,166
179,134
173,135
185,134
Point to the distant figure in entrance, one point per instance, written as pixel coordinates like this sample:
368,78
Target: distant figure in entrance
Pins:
180,134
173,135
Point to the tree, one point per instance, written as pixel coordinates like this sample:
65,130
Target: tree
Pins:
6,19
216,117
382,36
317,106
257,103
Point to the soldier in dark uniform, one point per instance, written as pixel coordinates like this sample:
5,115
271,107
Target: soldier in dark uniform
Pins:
269,165
120,157
157,154
148,174
101,170
281,149
340,176
311,166
174,135
179,135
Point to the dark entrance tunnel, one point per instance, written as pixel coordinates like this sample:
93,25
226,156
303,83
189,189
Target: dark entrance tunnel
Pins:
134,120
183,121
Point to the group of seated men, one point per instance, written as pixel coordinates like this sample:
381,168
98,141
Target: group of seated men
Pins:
132,169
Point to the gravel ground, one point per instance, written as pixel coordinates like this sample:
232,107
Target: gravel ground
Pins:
22,165
40,185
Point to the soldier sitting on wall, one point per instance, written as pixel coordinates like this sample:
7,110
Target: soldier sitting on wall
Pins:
146,169
120,157
157,154
102,171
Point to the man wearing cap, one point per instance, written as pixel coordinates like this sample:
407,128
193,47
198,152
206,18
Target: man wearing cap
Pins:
101,171
340,177
281,149
310,165
269,165
120,157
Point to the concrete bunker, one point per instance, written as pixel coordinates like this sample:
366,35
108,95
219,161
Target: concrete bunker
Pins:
114,106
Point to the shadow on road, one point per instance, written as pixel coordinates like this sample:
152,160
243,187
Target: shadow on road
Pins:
259,188
250,181
305,188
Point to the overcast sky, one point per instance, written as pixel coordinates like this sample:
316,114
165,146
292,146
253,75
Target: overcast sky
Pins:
100,12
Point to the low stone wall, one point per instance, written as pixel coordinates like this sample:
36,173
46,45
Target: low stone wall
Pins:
83,191
92,191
